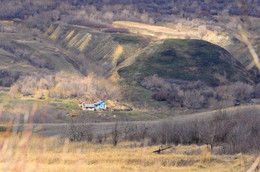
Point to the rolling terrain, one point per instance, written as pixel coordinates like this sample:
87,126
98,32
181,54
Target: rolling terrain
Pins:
189,60
109,49
151,51
112,50
180,78
24,54
230,40
121,57
116,51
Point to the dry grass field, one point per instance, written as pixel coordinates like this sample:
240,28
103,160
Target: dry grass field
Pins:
24,152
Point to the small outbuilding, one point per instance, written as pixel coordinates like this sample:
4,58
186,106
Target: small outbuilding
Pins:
101,105
90,107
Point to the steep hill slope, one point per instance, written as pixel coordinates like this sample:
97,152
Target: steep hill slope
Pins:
179,59
109,49
22,53
231,41
189,60
117,50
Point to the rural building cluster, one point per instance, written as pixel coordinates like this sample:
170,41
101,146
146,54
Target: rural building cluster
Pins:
100,105
104,106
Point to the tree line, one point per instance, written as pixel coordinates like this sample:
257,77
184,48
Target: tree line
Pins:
225,132
196,94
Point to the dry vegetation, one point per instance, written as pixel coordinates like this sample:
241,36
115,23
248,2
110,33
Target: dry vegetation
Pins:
64,86
128,147
25,152
224,132
196,95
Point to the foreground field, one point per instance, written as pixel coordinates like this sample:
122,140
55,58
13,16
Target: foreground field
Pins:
24,152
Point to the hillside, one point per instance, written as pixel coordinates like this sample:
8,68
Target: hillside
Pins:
231,40
111,51
114,50
185,73
21,53
107,49
129,85
189,60
153,70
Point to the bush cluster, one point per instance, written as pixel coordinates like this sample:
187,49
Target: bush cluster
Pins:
63,86
197,94
230,133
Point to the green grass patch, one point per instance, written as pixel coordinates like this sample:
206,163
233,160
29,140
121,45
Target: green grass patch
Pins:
161,116
126,39
138,115
65,104
138,95
31,102
190,60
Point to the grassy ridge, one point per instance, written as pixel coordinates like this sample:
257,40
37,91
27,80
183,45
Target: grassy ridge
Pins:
126,39
110,49
186,60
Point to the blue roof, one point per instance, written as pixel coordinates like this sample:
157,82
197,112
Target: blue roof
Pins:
89,105
99,102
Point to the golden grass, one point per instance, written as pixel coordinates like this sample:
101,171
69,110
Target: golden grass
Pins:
56,32
70,35
117,53
81,40
252,50
49,30
73,41
33,153
84,42
8,22
114,77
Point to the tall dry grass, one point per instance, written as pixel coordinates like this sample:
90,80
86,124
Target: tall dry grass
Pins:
27,152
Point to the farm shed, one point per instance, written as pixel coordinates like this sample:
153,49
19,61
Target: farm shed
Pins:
90,107
101,105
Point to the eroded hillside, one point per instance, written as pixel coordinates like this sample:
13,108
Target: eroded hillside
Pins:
147,63
22,53
108,49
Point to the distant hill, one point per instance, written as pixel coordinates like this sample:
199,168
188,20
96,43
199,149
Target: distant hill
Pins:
150,51
232,41
111,50
24,54
106,47
189,60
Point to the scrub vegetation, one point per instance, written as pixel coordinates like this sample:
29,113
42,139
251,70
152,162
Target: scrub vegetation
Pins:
185,72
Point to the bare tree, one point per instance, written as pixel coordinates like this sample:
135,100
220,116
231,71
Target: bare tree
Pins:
80,131
115,134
